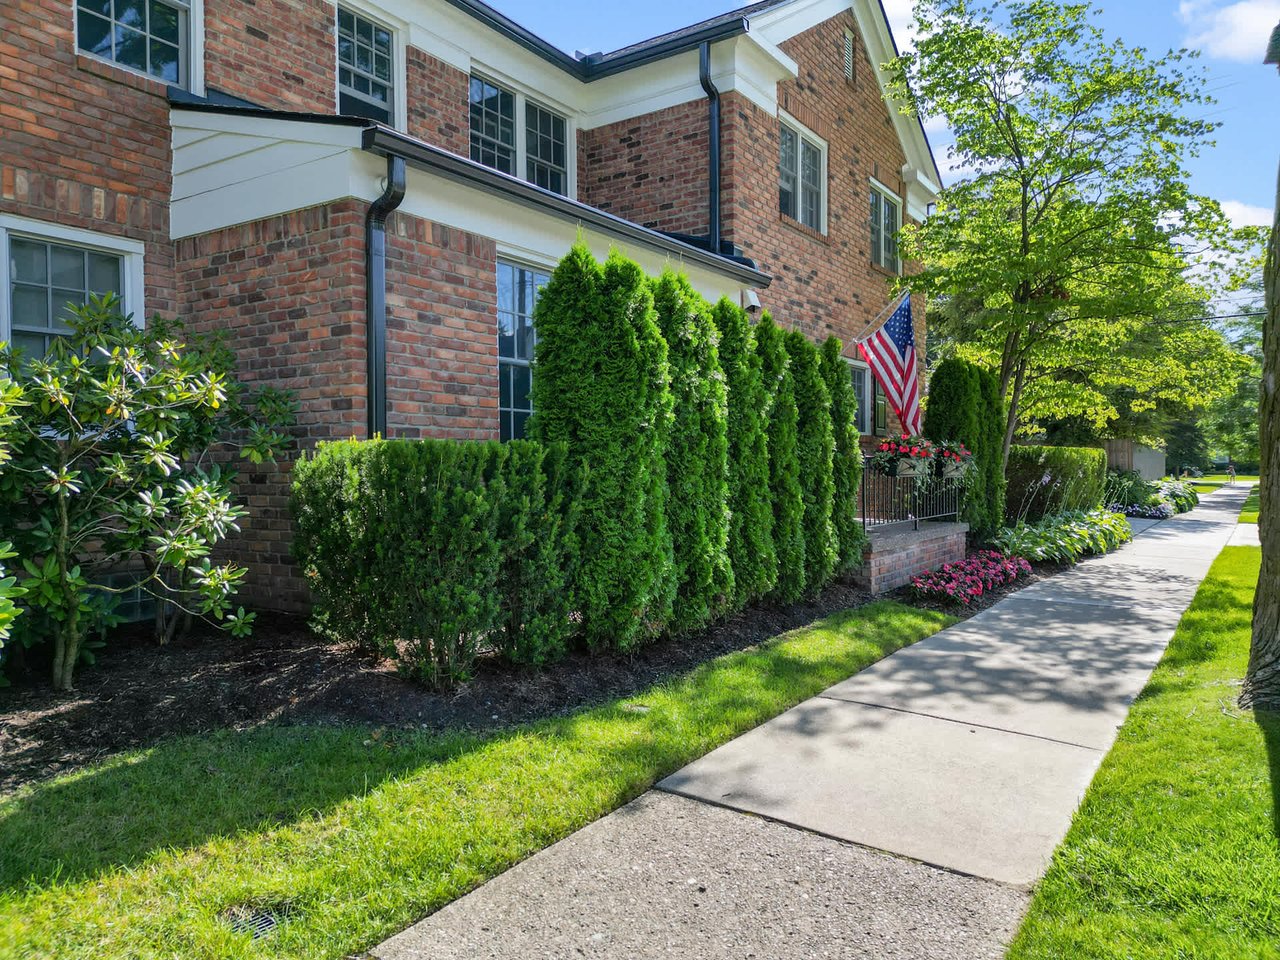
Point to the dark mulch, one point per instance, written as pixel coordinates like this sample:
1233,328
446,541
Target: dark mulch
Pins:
140,693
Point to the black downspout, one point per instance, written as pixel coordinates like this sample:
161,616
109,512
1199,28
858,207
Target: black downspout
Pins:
713,100
375,274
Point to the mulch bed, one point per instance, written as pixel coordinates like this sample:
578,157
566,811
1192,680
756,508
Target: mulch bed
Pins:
139,693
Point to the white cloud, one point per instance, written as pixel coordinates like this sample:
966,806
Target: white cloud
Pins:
1246,214
1237,31
901,22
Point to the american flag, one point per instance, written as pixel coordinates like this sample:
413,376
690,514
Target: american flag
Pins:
890,352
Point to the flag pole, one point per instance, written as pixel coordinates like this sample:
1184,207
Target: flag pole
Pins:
882,317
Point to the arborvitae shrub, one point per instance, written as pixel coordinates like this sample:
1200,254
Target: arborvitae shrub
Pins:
851,539
964,404
784,466
697,482
1048,480
602,389
537,532
815,450
751,552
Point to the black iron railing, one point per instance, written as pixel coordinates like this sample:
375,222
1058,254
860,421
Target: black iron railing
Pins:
883,499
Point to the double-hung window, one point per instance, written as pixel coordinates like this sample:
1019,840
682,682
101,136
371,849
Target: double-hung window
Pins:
44,270
366,64
864,391
886,220
150,36
802,176
511,133
517,295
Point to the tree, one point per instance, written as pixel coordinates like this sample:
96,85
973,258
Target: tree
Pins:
964,405
751,553
1262,679
111,469
784,465
851,539
697,449
1072,237
815,451
602,388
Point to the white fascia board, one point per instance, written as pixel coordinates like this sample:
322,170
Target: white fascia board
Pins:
921,191
790,19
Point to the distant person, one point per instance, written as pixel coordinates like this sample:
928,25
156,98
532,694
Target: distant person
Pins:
1231,474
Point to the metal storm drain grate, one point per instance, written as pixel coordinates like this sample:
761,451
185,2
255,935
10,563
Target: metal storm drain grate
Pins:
257,920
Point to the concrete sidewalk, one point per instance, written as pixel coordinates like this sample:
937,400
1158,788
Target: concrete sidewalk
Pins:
964,756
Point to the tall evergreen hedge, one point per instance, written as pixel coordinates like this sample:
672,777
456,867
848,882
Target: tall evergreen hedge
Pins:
815,450
751,551
697,449
784,465
1047,480
602,388
851,539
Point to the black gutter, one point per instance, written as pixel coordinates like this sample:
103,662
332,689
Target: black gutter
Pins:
386,142
375,273
597,65
713,148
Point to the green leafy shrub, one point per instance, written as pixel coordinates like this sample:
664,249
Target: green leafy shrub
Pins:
1065,537
1182,495
109,450
1048,480
784,465
815,450
851,539
964,405
1126,488
425,551
538,537
751,552
602,389
697,447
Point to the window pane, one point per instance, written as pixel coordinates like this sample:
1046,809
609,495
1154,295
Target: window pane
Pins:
94,34
27,261
100,7
131,48
31,344
64,301
30,307
504,386
104,273
164,22
493,136
520,382
506,335
877,235
131,13
518,421
365,68
164,61
811,185
66,267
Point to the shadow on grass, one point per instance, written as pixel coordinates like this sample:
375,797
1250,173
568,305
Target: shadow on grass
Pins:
186,791
1268,722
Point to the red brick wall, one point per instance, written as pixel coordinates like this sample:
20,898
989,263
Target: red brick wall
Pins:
275,53
892,560
651,169
83,143
442,340
438,105
288,294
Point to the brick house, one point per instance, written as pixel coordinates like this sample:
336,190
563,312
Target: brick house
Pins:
365,195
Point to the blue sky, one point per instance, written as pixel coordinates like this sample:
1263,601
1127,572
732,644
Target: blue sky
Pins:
1240,172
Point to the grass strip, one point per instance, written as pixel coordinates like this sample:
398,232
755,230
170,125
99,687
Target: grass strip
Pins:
1174,852
357,833
1249,512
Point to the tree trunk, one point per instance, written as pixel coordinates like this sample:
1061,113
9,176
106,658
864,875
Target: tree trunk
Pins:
1262,681
1011,418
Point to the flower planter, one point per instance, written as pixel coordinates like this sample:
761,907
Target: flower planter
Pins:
952,469
910,468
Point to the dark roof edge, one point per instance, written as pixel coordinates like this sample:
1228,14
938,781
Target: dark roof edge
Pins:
387,142
599,65
186,100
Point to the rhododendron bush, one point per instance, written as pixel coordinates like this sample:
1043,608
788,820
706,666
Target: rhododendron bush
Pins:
966,581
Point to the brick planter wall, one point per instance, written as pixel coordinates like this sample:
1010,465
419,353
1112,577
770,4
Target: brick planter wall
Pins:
895,556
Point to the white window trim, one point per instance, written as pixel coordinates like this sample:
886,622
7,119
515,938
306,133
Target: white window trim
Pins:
195,49
887,194
400,50
524,94
132,297
804,133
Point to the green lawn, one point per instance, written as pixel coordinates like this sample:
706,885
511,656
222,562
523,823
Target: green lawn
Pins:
1174,852
359,833
1223,478
1206,487
1249,512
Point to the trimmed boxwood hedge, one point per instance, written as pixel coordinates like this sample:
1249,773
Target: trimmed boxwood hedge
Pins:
1049,480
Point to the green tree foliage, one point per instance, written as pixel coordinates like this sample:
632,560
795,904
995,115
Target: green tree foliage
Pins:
751,551
964,404
851,539
815,451
1186,446
784,465
602,388
697,448
1073,236
1044,481
110,468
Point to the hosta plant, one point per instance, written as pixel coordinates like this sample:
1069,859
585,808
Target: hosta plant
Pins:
1065,537
111,468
